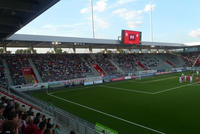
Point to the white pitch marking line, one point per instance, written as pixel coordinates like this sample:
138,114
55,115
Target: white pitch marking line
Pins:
159,79
109,115
129,90
173,88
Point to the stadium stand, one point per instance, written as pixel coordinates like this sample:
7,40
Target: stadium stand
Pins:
103,61
15,64
18,117
57,67
126,62
190,58
3,79
60,67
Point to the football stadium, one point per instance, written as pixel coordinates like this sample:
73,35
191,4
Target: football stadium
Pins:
130,86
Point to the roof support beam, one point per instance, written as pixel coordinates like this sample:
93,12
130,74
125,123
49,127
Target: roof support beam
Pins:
6,29
10,21
19,6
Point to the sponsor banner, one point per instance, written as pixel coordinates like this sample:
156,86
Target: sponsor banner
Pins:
183,70
179,70
54,84
98,82
118,79
161,73
147,75
133,77
27,70
161,70
147,72
101,129
127,77
189,68
88,83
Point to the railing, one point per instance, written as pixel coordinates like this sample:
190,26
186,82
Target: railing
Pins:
67,121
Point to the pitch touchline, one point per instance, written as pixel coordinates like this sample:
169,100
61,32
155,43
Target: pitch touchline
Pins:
173,88
98,111
129,90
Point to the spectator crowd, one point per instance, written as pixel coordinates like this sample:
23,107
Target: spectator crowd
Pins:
57,67
16,119
190,58
3,79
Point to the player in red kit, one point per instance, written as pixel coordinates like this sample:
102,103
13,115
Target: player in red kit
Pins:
197,79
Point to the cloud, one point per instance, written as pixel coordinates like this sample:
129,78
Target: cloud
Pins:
84,10
101,23
148,7
133,17
134,24
128,14
195,33
121,2
99,6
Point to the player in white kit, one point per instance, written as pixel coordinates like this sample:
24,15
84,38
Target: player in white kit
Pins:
190,79
180,79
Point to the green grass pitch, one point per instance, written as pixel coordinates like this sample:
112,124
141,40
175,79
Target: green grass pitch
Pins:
155,105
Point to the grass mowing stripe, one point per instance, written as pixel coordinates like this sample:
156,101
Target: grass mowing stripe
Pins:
173,88
129,90
151,81
109,115
72,89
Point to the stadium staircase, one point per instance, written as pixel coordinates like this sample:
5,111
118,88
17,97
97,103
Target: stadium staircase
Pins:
170,63
35,71
94,71
197,61
118,68
99,69
181,62
178,60
165,65
7,73
141,65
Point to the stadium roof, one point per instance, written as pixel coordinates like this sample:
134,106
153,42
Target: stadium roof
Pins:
38,41
14,14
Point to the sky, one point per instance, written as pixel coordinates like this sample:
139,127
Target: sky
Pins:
175,21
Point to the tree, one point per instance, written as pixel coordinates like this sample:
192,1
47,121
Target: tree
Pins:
58,50
1,50
120,51
25,51
19,51
104,51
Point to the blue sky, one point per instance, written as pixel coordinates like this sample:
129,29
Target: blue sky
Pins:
173,20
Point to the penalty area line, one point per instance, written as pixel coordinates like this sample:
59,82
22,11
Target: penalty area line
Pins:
157,80
163,91
109,115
